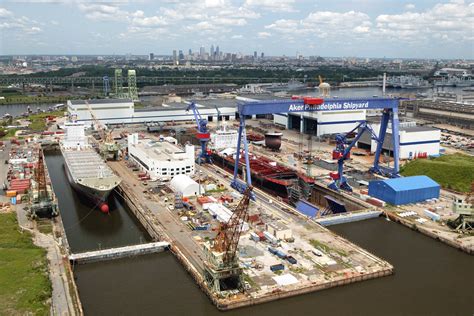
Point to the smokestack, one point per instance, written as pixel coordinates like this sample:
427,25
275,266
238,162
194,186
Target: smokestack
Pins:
384,83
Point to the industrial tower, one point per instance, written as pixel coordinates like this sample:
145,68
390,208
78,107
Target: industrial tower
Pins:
222,270
132,85
118,84
43,201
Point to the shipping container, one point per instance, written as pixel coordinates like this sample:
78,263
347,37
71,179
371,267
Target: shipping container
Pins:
272,250
254,237
277,267
281,254
270,237
11,193
291,260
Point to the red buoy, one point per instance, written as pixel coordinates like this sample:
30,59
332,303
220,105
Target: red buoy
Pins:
104,208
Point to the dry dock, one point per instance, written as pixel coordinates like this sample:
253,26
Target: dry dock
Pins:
341,262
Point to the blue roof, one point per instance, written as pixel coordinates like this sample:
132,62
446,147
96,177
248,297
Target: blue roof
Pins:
411,183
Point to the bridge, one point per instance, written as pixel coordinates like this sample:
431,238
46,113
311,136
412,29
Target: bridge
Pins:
142,80
116,253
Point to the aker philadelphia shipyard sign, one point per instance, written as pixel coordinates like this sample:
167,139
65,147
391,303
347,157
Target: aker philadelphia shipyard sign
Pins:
329,106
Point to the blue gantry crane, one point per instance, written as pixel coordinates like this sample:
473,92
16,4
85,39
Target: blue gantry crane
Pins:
308,104
202,134
343,151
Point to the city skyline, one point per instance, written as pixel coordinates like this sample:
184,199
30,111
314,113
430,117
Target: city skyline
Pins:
392,29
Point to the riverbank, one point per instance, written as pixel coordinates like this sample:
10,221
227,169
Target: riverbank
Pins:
25,285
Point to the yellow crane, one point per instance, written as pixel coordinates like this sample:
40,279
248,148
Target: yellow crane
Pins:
109,149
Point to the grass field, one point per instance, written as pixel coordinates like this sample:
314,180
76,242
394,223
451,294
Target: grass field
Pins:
455,172
25,288
26,99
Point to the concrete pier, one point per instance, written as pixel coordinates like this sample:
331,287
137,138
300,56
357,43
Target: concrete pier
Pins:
347,217
115,253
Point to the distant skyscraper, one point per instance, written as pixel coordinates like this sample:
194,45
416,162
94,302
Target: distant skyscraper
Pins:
255,54
151,57
175,56
181,55
190,52
218,53
212,51
262,55
202,51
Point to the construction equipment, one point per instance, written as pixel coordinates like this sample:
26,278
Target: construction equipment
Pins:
310,104
108,148
43,201
202,134
228,235
465,221
343,150
222,270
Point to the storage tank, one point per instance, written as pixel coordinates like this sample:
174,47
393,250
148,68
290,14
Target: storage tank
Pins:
273,140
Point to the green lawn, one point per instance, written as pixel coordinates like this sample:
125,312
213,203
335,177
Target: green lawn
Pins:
25,285
455,172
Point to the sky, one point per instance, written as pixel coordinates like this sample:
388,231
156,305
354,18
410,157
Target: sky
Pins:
338,28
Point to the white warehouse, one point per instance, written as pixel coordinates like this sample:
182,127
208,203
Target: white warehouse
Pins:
106,110
186,186
414,140
161,159
122,111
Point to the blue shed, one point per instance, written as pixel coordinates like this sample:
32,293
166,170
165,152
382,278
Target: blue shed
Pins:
307,208
404,190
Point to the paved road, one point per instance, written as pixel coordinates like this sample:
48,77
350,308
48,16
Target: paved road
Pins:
62,303
178,233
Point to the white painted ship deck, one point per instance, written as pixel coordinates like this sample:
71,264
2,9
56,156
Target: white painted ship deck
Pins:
86,164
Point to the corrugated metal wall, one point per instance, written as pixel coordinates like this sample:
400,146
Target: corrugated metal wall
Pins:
399,196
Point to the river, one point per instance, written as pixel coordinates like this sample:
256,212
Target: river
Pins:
88,229
430,279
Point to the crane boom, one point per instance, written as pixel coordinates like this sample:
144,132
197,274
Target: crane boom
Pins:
228,236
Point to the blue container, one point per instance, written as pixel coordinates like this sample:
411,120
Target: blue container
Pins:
291,260
272,250
404,190
277,267
280,254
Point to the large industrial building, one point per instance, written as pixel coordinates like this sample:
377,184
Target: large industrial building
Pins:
122,111
316,123
161,159
414,140
117,111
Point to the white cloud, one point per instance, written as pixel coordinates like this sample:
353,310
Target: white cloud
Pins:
445,22
209,17
5,13
264,34
21,24
410,6
323,24
237,36
451,21
272,5
102,12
